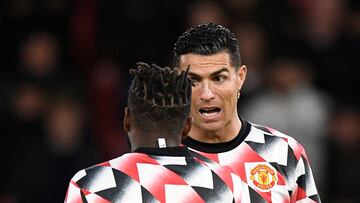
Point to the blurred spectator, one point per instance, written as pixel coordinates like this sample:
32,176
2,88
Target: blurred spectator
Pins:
323,22
41,172
293,106
344,131
38,73
21,123
202,11
326,44
39,55
21,17
23,115
254,51
64,125
40,61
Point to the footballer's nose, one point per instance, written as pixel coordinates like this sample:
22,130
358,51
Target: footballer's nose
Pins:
207,92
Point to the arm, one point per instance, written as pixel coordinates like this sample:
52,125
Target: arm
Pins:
305,184
73,194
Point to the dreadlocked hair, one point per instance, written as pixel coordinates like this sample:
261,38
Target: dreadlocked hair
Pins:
159,98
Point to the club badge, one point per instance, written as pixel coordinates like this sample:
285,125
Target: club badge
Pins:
263,177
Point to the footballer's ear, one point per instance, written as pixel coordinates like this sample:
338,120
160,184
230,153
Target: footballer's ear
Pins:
127,122
187,126
241,74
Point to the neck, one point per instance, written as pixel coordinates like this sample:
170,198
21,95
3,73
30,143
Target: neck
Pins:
151,140
225,134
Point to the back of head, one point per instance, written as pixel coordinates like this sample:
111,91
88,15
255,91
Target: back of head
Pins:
207,39
159,98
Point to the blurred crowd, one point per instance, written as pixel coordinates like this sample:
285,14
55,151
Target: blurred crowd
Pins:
64,80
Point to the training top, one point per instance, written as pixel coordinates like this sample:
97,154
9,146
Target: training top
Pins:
273,167
155,175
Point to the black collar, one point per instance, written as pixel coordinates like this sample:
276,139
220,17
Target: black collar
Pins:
220,147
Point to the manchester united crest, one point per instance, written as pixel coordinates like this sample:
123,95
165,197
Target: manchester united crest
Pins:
263,177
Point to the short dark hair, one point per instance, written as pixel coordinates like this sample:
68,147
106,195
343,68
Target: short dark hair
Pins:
159,98
208,39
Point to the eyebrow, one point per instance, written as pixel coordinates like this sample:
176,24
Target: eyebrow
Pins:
212,74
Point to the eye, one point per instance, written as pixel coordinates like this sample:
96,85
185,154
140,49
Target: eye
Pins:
219,78
194,80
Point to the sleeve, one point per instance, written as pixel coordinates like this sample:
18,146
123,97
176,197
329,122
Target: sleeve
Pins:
74,193
305,187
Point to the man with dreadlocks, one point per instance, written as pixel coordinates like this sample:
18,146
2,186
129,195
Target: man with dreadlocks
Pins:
158,169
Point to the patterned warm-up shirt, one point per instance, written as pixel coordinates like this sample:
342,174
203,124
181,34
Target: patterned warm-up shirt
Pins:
155,175
273,167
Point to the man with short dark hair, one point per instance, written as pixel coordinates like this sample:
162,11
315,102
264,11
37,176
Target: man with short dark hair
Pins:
158,169
273,166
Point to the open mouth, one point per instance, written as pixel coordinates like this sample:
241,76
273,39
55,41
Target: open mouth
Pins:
209,111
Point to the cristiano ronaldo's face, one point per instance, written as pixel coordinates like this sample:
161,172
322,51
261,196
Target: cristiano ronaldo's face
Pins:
215,90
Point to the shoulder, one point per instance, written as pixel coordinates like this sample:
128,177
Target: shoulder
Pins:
113,180
104,170
271,136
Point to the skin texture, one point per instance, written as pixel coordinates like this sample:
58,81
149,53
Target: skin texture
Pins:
216,87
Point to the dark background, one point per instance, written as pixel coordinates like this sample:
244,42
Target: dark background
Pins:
64,79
